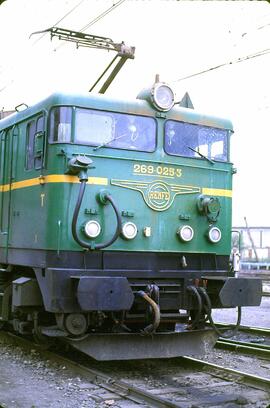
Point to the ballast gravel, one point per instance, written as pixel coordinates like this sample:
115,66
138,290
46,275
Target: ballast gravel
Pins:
28,380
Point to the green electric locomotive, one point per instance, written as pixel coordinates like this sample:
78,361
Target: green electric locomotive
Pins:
115,224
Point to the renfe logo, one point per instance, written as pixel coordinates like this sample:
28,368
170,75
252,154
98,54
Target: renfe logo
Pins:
158,195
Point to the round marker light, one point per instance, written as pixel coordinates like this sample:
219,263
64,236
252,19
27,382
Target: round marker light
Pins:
214,235
92,229
186,233
129,230
162,96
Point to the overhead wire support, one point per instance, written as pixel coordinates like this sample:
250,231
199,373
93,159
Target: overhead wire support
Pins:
96,19
124,52
79,38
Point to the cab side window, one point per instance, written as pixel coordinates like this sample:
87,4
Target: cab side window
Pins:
60,124
34,143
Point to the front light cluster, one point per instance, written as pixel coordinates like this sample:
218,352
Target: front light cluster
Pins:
92,229
186,234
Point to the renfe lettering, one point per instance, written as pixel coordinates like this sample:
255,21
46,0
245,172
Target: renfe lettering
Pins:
159,195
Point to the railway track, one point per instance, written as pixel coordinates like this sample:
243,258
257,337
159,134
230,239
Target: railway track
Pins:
252,346
260,350
238,376
193,382
261,331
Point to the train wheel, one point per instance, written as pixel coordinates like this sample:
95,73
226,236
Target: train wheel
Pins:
75,323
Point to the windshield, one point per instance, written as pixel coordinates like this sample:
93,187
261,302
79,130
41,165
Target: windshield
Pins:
189,140
117,130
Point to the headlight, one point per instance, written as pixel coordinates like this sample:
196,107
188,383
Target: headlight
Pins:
186,233
162,96
92,229
129,230
214,235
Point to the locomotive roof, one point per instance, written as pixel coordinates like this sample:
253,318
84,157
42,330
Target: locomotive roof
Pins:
102,102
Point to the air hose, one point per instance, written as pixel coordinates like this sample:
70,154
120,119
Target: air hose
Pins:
194,290
93,246
208,308
151,328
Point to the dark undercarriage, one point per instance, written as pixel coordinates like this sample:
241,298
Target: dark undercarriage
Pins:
76,294
110,260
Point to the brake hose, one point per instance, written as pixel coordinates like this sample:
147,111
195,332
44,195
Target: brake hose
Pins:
209,316
94,246
151,328
199,301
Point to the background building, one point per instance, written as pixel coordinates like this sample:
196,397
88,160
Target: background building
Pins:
254,246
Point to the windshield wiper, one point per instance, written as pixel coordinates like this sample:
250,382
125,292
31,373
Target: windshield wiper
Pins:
108,142
201,155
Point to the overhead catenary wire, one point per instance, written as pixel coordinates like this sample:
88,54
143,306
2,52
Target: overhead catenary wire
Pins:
256,29
241,59
61,19
102,15
7,85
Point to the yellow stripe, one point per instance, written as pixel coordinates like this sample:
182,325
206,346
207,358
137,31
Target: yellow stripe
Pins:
62,178
217,192
53,178
100,181
25,183
4,188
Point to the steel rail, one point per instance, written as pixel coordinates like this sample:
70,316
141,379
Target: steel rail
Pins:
255,349
122,388
107,382
262,331
130,392
241,377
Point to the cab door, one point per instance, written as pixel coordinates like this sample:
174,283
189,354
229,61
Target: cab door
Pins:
6,176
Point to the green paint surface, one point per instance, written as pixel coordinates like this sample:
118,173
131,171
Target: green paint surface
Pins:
150,189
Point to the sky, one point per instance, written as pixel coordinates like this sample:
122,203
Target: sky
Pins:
175,39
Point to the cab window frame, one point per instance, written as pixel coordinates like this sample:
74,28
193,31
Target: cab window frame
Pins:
34,126
190,151
67,131
103,143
